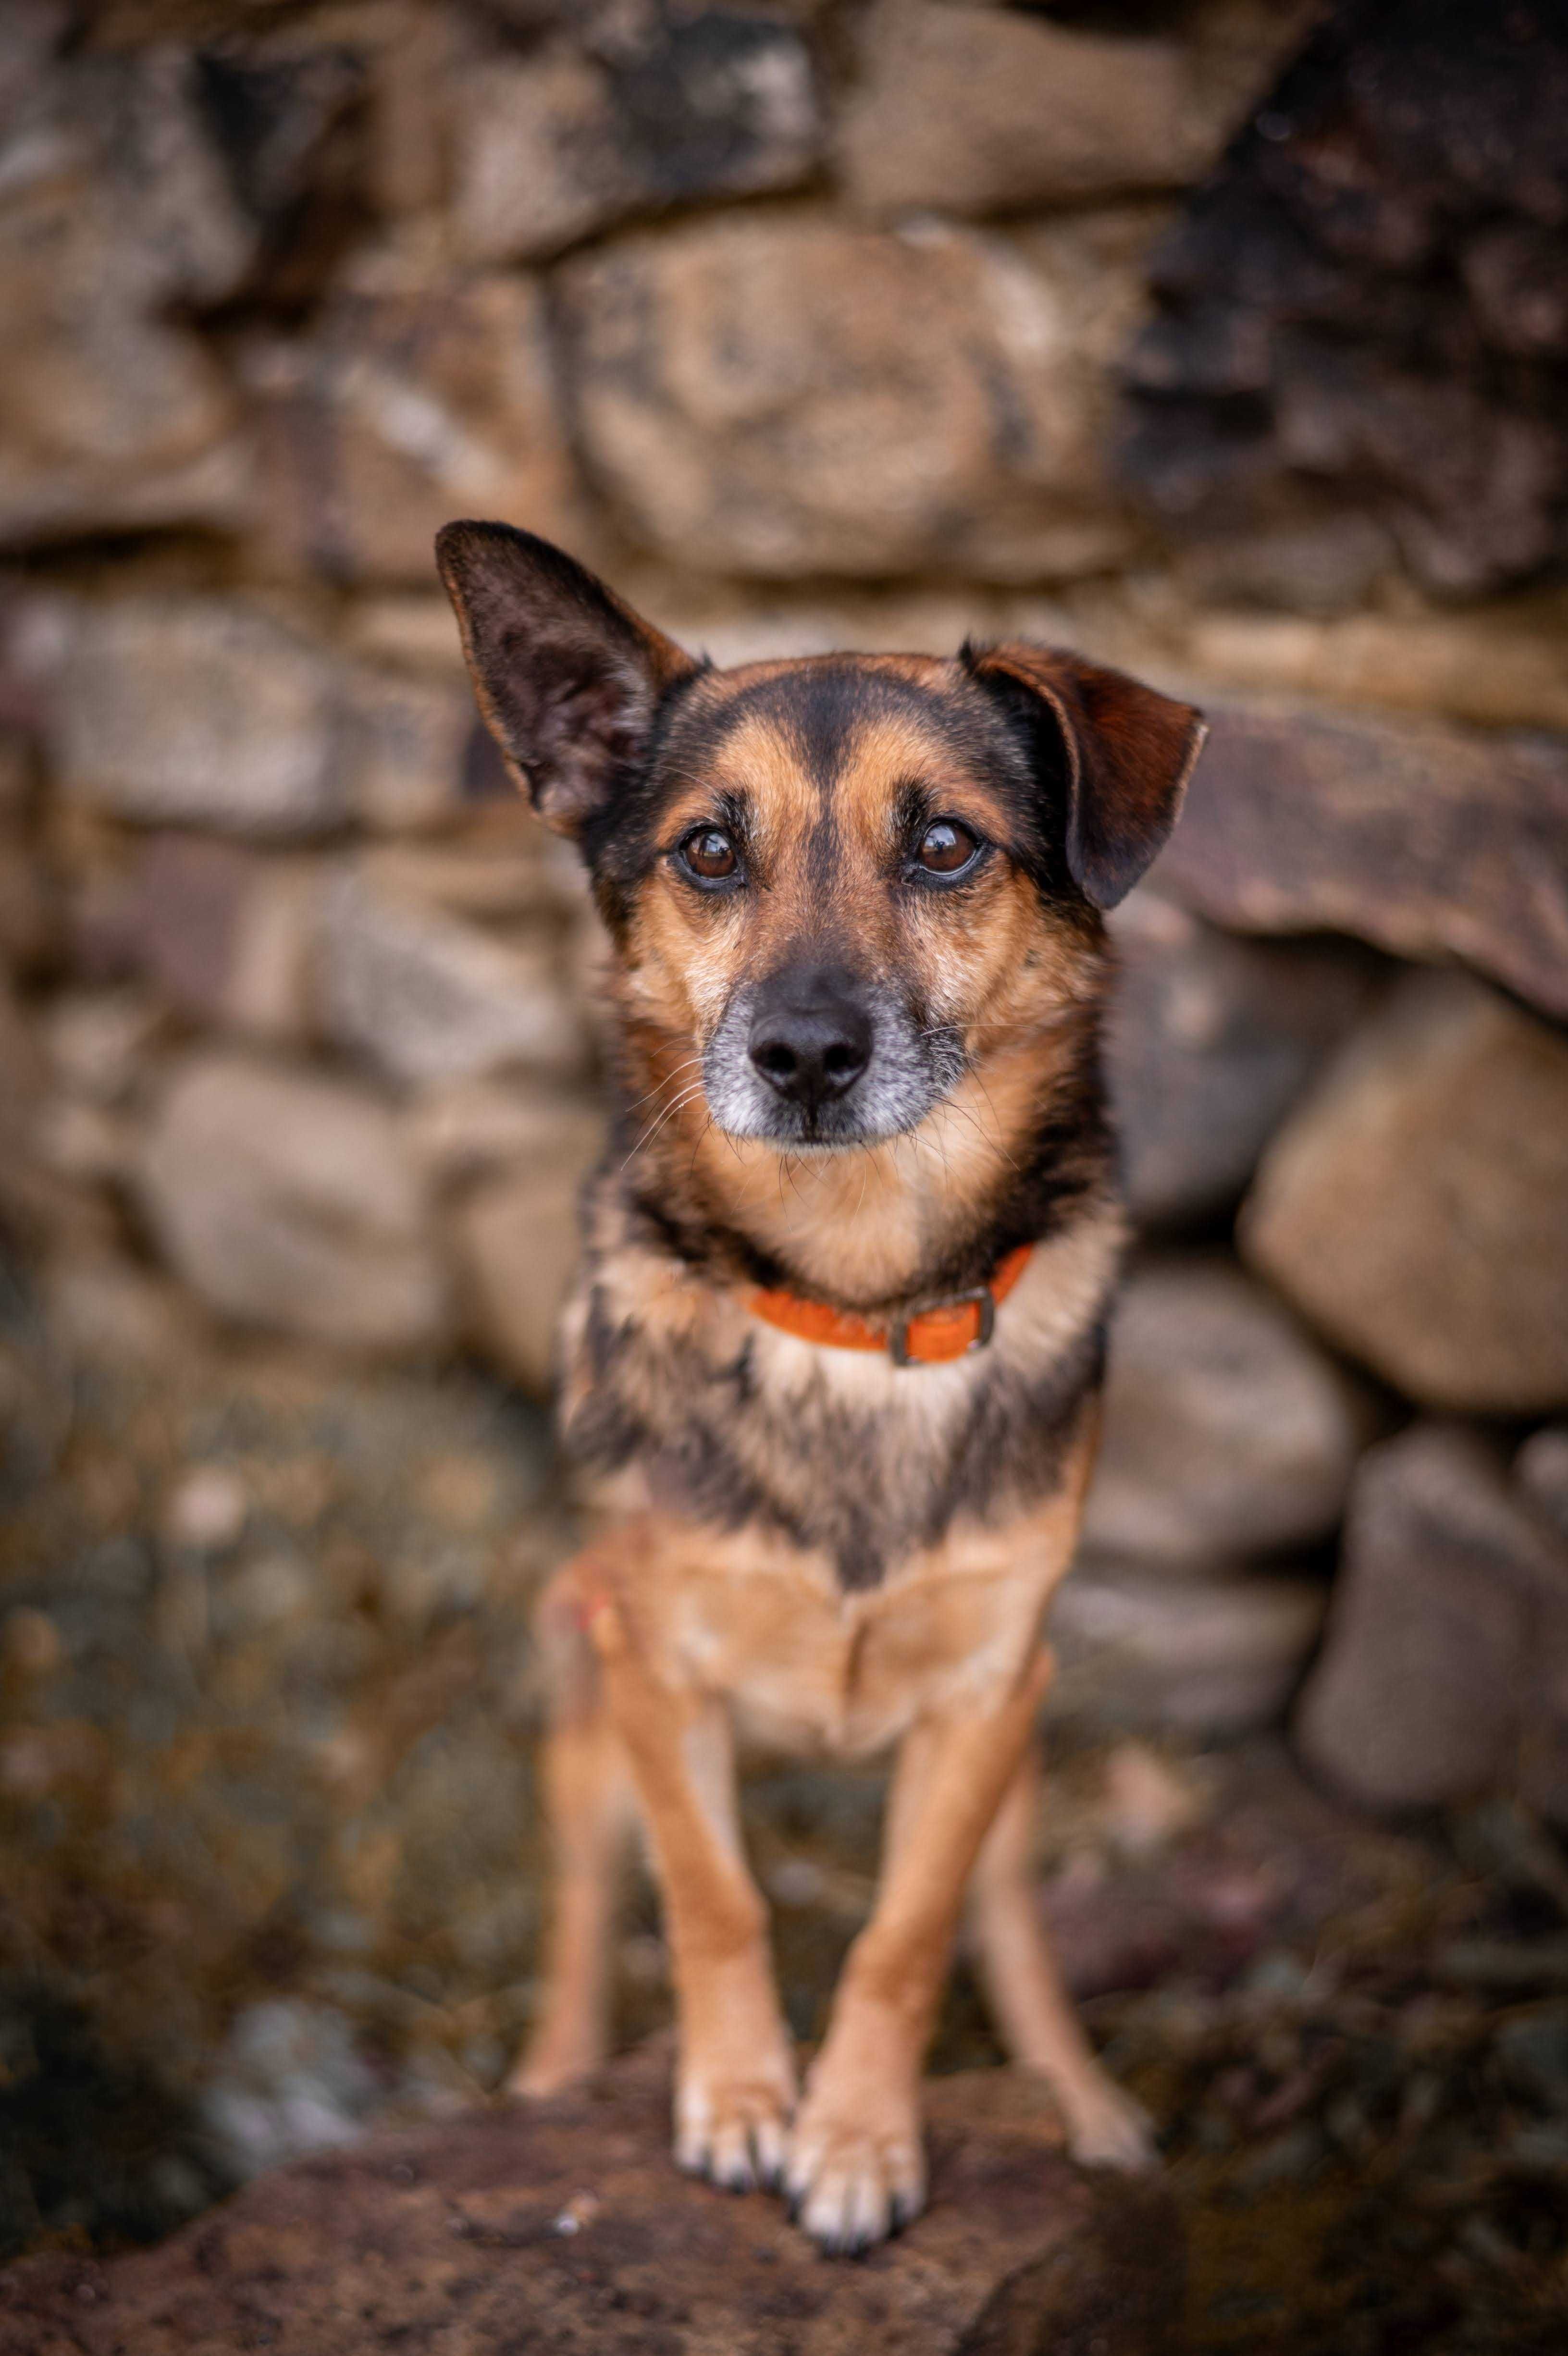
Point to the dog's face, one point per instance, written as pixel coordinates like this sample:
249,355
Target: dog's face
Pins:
832,882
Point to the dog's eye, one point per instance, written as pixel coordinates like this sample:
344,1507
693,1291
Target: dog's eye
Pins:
946,847
711,854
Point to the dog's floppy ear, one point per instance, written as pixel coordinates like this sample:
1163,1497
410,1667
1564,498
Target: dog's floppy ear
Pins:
1128,752
567,677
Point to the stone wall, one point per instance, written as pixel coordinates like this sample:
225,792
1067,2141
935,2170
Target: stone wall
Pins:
815,324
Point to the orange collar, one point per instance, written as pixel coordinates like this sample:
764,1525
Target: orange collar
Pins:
928,1336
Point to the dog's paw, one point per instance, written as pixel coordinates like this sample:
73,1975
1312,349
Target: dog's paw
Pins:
1108,2128
734,2129
855,2175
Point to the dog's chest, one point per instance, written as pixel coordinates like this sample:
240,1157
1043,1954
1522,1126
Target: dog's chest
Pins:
839,1455
809,1668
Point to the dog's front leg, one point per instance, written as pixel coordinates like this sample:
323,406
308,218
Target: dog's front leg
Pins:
735,2080
856,2167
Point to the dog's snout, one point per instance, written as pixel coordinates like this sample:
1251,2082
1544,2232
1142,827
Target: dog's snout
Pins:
811,1039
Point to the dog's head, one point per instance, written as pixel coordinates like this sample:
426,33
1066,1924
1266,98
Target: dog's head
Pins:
834,882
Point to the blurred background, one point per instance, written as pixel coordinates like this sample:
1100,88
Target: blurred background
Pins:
1226,340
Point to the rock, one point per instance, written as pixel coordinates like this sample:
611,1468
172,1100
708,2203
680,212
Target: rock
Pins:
1211,1657
290,2080
28,905
289,1201
1400,352
1541,1468
1425,841
462,1129
750,396
412,747
517,1242
428,996
23,1080
976,110
716,102
114,210
1228,1433
1212,1040
1498,667
226,933
1413,1207
565,2224
198,710
418,397
99,1042
1444,1669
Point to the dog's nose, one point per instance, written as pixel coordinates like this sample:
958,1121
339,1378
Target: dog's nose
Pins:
812,1044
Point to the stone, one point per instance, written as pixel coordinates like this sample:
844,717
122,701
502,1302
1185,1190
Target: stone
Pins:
28,910
114,211
24,1075
517,1243
1210,1041
1425,841
565,2224
412,750
1413,1207
1211,1657
977,110
99,1042
1447,1635
1496,668
416,398
287,1200
1228,1432
226,933
750,396
198,710
714,101
462,1129
1542,1469
428,996
1401,353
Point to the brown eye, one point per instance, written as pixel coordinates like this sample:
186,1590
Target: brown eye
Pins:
709,852
947,847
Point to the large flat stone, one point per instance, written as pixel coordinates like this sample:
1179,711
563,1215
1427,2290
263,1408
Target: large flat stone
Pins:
750,395
565,2226
1415,1205
1427,840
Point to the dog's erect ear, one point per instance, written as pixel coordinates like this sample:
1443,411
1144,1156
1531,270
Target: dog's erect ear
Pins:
568,677
1129,752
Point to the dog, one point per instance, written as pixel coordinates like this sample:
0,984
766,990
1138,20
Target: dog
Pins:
836,1346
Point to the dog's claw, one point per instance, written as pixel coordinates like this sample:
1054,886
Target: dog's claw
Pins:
853,2185
735,2135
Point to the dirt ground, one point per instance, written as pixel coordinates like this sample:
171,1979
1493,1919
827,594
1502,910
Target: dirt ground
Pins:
271,1861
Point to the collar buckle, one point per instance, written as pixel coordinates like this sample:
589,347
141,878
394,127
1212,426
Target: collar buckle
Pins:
979,1297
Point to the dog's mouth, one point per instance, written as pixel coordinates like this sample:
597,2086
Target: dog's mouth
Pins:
814,1061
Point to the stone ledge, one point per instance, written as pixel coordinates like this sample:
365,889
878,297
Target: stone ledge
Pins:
566,2226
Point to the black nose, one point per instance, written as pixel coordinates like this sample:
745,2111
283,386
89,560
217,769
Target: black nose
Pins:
811,1039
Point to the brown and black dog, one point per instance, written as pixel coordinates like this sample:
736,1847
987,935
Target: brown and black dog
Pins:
838,1337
